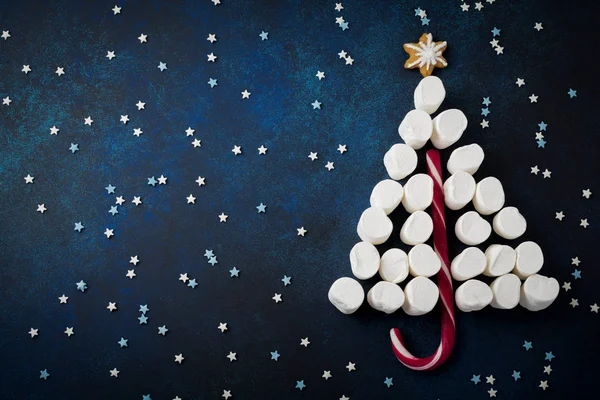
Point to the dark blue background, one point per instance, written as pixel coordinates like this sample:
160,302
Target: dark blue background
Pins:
42,256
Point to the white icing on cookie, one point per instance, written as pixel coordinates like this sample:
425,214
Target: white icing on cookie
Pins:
427,53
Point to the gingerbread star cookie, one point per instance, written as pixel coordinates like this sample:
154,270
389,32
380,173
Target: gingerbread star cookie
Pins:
425,55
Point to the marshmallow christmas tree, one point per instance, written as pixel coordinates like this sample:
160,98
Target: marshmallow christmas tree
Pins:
515,270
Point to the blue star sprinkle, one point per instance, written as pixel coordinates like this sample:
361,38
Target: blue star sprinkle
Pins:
213,261
576,274
476,379
275,355
208,254
234,272
265,36
74,147
261,208
418,11
110,188
287,280
78,226
144,308
316,105
146,397
496,32
486,101
143,319
300,385
572,93
485,112
388,382
162,330
152,181
528,345
542,125
541,144
549,356
212,82
123,342
192,283
424,21
516,375
81,286
113,210
44,374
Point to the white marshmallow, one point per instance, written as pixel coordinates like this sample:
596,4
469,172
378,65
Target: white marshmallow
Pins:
538,292
473,295
509,223
472,229
466,158
489,196
468,264
507,291
529,259
423,261
346,295
385,296
387,194
400,161
429,94
418,193
420,296
500,260
364,260
448,128
459,190
416,128
374,226
417,228
393,266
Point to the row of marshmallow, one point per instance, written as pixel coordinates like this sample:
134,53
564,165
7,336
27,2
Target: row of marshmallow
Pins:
421,295
401,160
395,265
375,227
459,190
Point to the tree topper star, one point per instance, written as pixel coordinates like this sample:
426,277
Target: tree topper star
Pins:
425,55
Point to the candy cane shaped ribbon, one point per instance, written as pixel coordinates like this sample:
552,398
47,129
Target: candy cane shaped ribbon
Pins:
444,281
